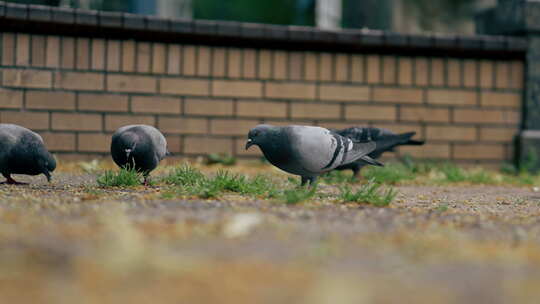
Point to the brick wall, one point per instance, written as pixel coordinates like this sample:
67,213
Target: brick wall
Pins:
75,91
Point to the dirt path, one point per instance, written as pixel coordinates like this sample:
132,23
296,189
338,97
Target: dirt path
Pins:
71,240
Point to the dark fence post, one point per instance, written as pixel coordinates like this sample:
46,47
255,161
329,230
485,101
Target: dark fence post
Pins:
521,18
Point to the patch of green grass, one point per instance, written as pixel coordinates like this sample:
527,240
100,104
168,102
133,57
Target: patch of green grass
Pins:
220,158
391,173
190,181
337,177
452,173
121,178
369,193
298,195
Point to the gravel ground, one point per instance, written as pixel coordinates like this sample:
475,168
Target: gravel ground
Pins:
73,242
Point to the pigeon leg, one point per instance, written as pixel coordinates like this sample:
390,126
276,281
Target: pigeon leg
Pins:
11,181
146,182
356,172
304,180
312,180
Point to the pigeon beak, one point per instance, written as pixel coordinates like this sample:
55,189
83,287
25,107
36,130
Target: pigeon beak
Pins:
128,152
48,175
249,143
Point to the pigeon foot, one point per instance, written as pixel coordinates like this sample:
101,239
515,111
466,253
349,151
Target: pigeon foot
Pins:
11,181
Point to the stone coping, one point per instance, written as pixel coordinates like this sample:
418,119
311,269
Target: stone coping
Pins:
76,22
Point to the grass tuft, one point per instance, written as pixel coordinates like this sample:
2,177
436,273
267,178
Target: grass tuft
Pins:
369,193
298,195
223,159
121,178
391,173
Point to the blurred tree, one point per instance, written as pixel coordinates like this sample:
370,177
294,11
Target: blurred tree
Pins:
299,12
431,14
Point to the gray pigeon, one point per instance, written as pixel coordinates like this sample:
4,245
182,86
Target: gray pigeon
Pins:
141,147
23,152
307,151
386,141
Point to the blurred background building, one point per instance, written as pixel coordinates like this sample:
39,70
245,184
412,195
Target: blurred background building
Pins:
410,16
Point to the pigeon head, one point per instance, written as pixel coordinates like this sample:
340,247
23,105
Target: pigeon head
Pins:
47,164
259,135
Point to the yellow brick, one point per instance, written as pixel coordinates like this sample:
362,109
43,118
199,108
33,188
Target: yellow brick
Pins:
421,72
296,65
452,97
11,99
315,111
424,114
79,81
68,53
183,86
470,73
326,67
144,51
94,142
159,57
486,73
183,125
38,50
491,134
113,55
31,120
131,83
454,73
427,151
261,109
479,151
368,112
234,63
113,121
154,104
230,88
23,50
249,67
451,133
497,99
207,145
397,95
59,141
279,66
231,127
481,116
83,54
189,60
103,102
50,100
8,49
128,56
98,54
27,78
405,71
76,122
389,69
213,107
310,66
437,72
174,61
204,60
342,67
517,75
357,68
502,76
343,93
218,62
290,90
373,69
265,64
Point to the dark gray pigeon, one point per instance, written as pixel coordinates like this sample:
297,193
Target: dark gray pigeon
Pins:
308,151
386,141
141,147
23,152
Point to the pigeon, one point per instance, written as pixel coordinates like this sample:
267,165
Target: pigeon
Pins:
385,139
139,147
308,151
23,152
